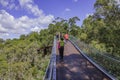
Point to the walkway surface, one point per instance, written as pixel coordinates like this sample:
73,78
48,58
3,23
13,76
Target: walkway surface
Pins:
76,67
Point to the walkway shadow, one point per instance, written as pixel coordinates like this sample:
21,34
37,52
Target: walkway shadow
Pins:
76,67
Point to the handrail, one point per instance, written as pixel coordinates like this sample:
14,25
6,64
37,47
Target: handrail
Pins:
50,73
96,65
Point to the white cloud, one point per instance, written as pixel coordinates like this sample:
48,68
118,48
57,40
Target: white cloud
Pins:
67,9
31,7
118,1
9,4
36,29
12,6
89,14
2,29
46,19
4,34
4,3
28,5
22,25
75,0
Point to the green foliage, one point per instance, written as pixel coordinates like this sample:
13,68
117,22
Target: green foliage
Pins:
102,30
98,46
103,26
19,57
83,36
1,41
20,60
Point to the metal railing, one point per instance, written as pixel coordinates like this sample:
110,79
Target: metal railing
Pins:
50,73
96,57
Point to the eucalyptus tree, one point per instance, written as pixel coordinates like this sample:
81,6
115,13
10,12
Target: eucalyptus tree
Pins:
109,11
73,28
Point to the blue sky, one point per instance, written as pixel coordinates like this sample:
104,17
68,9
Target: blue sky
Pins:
23,16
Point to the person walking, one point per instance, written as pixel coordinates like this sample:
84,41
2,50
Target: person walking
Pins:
66,36
61,48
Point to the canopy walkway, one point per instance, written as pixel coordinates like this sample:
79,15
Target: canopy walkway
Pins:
75,65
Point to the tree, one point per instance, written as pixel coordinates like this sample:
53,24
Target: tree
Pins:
1,40
109,11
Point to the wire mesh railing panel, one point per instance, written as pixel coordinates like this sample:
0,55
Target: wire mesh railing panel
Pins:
110,64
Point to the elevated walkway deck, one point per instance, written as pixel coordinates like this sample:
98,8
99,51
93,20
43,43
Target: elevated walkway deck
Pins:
76,67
